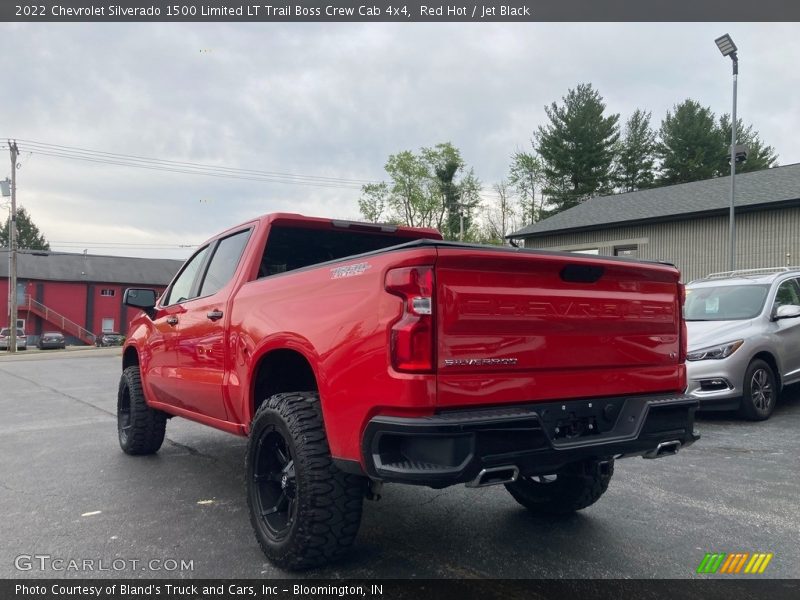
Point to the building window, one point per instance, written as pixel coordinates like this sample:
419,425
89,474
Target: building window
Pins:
108,292
108,325
631,251
587,251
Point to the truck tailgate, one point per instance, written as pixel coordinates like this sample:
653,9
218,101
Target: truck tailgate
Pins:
525,326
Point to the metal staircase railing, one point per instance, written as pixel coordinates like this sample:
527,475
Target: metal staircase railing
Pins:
51,316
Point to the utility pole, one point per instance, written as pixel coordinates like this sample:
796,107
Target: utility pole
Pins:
12,254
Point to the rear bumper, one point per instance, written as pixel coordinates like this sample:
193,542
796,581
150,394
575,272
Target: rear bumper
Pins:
50,345
455,446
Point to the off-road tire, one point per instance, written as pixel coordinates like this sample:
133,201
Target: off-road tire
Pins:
758,397
323,504
573,488
141,428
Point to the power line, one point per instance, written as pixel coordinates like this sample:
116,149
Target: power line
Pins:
191,168
188,171
82,154
130,157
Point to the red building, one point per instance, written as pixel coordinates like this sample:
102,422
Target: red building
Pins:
78,294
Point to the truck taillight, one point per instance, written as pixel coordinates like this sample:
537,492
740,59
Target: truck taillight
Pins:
684,333
411,340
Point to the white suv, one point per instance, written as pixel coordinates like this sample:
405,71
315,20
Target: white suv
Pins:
22,339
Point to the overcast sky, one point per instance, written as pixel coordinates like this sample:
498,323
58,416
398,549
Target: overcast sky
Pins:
332,100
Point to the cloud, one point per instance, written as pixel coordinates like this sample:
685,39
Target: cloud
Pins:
335,101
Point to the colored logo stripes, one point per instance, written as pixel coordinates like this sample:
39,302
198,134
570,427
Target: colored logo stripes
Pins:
735,563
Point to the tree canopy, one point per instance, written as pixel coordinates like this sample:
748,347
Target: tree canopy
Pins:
636,159
432,188
28,235
690,144
577,147
580,152
759,155
526,178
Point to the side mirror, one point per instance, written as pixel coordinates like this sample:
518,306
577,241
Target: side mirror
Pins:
787,311
143,299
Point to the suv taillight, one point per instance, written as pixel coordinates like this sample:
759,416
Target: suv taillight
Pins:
411,340
684,334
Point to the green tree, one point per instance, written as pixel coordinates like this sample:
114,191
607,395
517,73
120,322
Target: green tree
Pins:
429,189
28,235
636,154
469,194
577,147
526,176
374,201
499,215
445,163
410,190
759,155
690,145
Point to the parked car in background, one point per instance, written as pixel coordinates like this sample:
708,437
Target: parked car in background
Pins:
110,339
744,339
5,334
51,339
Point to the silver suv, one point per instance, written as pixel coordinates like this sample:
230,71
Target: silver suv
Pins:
744,339
5,336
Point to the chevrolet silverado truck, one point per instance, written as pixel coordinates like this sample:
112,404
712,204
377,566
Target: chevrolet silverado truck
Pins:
355,354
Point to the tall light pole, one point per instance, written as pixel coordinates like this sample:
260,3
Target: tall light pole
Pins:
12,253
728,48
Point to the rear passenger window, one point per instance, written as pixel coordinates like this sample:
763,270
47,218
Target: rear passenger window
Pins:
224,262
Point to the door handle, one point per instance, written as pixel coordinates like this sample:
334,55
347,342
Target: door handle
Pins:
172,320
215,315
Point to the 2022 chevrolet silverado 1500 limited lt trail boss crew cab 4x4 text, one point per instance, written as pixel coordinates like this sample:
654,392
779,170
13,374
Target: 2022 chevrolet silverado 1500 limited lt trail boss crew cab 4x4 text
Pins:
353,354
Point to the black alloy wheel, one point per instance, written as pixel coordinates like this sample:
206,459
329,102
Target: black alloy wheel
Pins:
274,483
305,512
140,428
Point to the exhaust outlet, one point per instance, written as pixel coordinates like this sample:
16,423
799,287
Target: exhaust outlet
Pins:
494,476
663,449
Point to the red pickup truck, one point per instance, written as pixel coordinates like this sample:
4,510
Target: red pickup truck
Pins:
354,354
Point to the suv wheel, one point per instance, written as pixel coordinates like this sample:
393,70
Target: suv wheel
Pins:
760,391
141,428
304,511
573,488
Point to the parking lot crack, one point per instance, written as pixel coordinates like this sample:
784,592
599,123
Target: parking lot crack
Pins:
430,500
59,392
192,451
14,490
189,449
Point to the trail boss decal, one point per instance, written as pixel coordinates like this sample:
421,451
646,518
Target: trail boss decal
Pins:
350,270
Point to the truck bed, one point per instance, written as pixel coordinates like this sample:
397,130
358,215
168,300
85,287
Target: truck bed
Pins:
512,326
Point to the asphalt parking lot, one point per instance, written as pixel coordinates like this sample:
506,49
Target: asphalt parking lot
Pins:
68,492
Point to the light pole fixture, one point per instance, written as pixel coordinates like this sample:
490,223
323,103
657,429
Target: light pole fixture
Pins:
728,48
